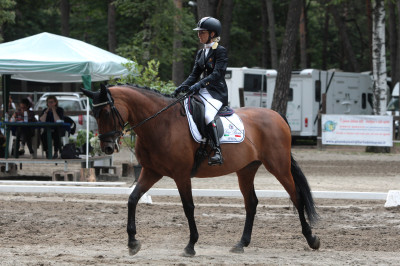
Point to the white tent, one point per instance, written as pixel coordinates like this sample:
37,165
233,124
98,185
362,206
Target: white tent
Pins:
47,57
51,58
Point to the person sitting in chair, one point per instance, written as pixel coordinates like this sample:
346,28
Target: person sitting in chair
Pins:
25,135
211,63
52,113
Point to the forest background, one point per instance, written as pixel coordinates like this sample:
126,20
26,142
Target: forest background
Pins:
331,34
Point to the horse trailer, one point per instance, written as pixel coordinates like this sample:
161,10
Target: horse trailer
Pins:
346,93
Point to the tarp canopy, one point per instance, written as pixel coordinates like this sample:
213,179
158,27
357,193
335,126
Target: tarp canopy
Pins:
47,57
51,58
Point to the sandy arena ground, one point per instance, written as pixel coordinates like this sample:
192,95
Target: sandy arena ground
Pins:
50,229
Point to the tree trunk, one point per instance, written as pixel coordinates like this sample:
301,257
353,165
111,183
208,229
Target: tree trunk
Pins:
303,42
226,20
279,102
264,35
64,10
392,41
398,43
207,8
177,62
112,38
348,48
272,34
369,19
379,57
325,38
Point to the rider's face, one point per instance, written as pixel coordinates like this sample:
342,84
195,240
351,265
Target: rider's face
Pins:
203,36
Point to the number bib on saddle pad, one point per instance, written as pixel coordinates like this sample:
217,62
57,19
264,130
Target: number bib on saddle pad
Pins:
232,124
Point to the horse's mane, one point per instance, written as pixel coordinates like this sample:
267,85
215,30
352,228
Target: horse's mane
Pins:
144,89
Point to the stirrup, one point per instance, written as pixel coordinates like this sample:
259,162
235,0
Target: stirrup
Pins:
216,159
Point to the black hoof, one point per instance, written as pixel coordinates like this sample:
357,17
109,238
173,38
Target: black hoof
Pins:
188,252
134,247
238,248
314,242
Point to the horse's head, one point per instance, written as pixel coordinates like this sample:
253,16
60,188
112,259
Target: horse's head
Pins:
108,118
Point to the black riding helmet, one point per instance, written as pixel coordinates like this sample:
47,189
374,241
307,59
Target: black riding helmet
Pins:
210,24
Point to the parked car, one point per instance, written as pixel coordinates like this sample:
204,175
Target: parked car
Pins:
70,101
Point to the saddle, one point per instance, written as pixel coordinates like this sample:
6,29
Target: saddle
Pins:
197,110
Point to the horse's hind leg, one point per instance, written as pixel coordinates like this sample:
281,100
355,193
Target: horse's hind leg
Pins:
289,174
246,184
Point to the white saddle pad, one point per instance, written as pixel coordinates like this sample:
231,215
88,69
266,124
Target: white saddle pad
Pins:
233,128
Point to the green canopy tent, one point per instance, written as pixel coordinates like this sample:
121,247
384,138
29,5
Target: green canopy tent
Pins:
51,58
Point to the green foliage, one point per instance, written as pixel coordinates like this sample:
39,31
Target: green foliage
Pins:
145,30
151,33
88,21
7,14
33,17
145,76
81,137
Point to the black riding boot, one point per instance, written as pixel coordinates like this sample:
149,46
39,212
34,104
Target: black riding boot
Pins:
213,134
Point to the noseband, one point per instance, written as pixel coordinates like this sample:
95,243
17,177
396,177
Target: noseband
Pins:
116,116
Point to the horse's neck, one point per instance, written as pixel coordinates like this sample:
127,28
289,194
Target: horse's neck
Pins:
142,106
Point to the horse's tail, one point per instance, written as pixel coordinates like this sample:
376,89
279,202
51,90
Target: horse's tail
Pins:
303,191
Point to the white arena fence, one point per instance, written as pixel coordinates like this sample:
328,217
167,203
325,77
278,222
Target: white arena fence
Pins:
114,188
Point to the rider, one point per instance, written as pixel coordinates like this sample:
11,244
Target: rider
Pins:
210,66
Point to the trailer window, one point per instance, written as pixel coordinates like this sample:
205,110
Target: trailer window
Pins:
290,95
364,101
252,82
317,90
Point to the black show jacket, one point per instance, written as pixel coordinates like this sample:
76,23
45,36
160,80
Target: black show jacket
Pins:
213,67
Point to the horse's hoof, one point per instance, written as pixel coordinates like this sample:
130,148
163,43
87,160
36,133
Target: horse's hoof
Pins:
314,242
237,249
188,252
134,247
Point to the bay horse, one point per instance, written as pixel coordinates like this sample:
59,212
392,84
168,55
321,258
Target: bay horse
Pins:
165,147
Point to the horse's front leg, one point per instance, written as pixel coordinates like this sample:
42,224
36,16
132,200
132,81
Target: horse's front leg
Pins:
146,180
185,191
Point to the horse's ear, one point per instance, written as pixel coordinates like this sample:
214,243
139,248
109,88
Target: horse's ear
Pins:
103,90
88,93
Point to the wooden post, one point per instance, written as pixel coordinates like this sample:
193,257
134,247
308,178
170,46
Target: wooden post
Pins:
88,175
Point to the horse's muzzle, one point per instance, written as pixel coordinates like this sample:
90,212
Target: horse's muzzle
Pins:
109,146
109,150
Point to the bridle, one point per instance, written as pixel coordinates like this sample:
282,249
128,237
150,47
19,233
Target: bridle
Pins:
116,116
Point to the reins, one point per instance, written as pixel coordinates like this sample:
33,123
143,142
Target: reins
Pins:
117,116
159,112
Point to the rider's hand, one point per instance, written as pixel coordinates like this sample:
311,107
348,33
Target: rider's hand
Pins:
178,90
196,87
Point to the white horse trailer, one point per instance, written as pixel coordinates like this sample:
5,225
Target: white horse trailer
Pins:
346,93
254,82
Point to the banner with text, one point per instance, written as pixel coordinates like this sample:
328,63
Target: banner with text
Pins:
362,130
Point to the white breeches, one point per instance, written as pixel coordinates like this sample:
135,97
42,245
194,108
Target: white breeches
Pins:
212,105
